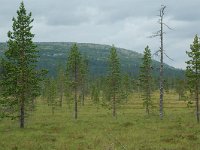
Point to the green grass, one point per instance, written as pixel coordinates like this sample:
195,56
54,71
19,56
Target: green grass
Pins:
131,130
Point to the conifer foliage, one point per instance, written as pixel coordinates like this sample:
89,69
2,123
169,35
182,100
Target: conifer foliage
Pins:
95,95
114,79
84,77
20,79
51,90
74,72
193,71
60,79
146,79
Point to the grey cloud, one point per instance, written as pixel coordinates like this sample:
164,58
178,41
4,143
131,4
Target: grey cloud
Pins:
78,12
185,10
125,23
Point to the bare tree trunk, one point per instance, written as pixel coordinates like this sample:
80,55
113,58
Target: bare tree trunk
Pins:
68,103
53,110
83,96
22,94
32,104
22,111
61,98
114,105
161,61
161,90
197,102
147,108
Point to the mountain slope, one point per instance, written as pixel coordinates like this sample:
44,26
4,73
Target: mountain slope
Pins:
53,54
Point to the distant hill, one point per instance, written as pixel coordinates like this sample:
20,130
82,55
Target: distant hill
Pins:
53,54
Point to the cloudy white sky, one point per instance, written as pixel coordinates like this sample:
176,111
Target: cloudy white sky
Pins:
124,23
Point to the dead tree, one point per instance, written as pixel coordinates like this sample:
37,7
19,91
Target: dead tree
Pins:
160,34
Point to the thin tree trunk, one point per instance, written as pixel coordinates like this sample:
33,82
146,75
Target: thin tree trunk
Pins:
148,95
161,90
149,91
197,95
83,98
126,97
197,102
22,98
69,106
32,104
83,95
147,108
75,103
53,108
22,111
114,105
161,63
75,93
61,98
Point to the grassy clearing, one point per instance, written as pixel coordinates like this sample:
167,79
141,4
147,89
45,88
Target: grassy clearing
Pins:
131,130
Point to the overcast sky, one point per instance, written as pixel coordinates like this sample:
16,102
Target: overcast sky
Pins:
124,23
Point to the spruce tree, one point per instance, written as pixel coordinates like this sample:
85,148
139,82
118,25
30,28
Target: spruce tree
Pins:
74,70
20,79
146,79
114,79
193,71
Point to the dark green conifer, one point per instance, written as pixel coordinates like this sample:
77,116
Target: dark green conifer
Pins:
114,79
74,70
146,79
20,79
193,71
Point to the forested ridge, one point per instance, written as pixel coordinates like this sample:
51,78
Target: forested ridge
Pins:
54,54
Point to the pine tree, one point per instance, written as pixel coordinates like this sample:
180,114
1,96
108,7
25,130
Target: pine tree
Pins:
20,79
146,79
60,84
114,78
166,85
106,94
180,88
126,83
51,96
193,71
95,96
74,72
84,72
68,91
